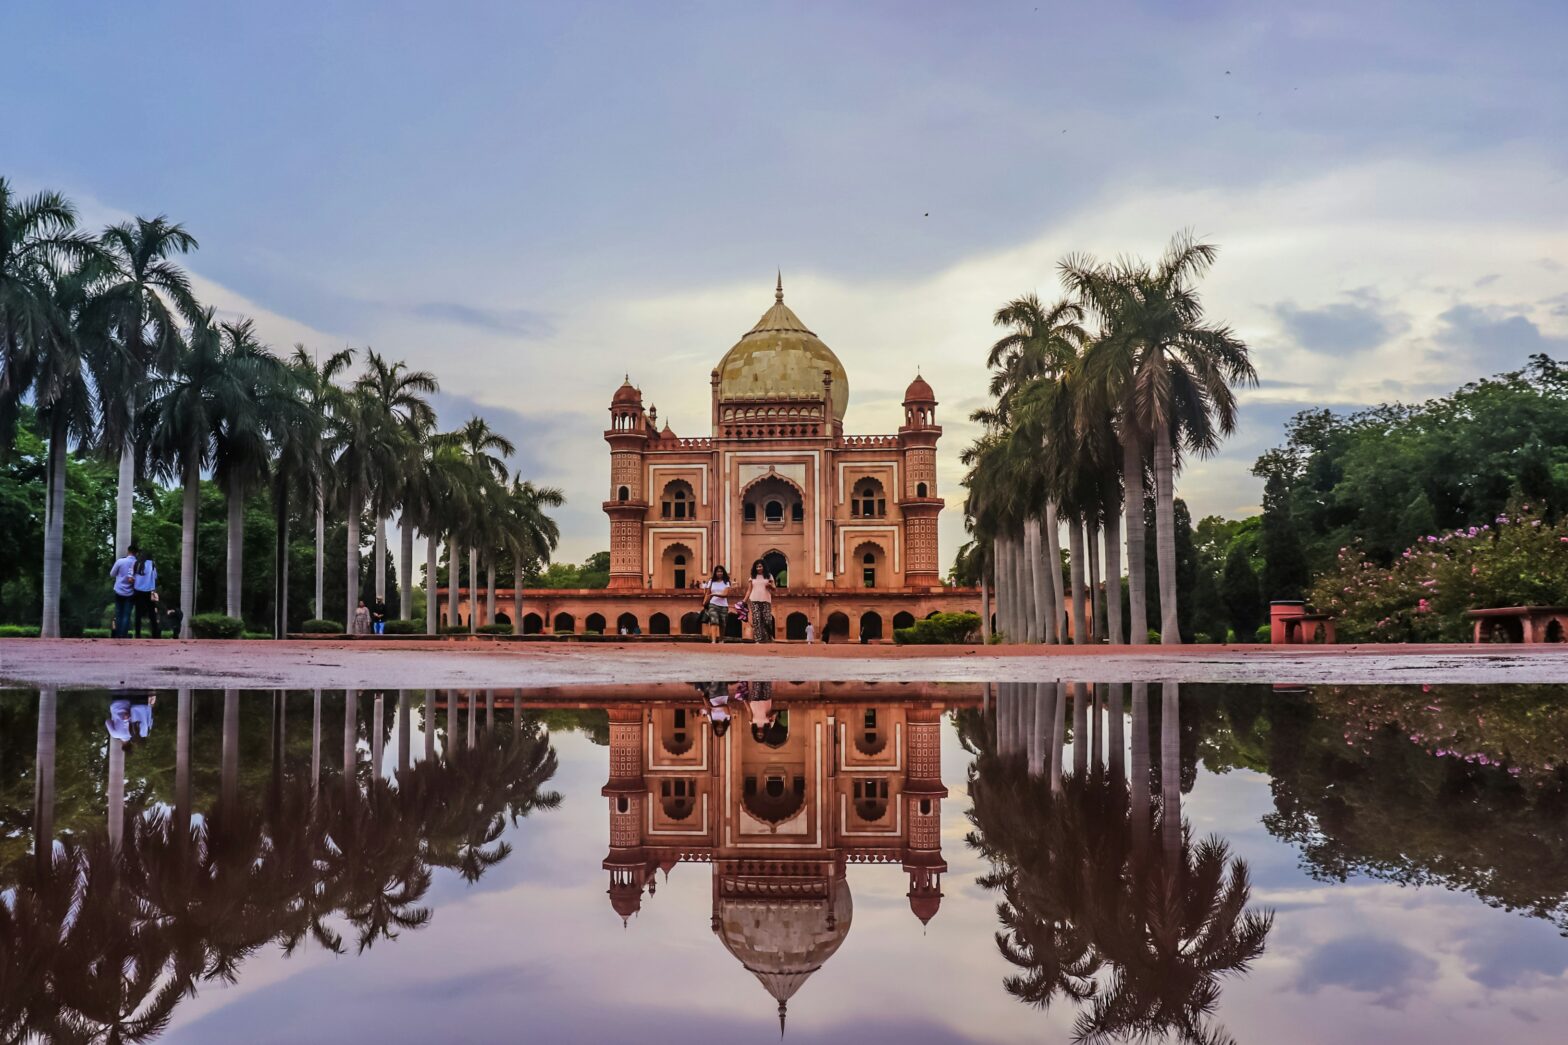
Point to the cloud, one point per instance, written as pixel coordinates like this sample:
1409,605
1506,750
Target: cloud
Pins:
519,321
1488,279
1362,322
1497,338
1367,965
1514,954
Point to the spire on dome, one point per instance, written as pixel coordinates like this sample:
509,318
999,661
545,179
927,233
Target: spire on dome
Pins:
783,1006
778,291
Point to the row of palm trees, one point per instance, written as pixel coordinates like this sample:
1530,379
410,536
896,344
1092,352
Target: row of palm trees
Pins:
105,337
1096,400
106,931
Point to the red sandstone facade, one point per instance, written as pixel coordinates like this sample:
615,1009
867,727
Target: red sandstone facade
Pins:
846,523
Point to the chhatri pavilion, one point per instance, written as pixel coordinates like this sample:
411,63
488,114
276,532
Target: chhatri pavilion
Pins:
847,524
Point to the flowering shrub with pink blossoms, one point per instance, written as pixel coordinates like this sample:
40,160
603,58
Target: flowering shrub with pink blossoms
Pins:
1517,559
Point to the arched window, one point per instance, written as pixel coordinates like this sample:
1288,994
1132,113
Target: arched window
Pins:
869,500
797,512
868,572
920,490
773,511
680,571
678,501
623,494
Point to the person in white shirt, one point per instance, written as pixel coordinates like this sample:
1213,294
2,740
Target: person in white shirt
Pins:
129,720
122,574
716,604
811,633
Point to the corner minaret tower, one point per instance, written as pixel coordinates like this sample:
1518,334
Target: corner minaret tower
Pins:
918,499
628,435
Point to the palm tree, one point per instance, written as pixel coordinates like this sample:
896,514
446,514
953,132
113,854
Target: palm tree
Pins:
401,393
530,535
1170,372
296,429
359,453
433,487
317,389
486,451
145,305
242,456
180,428
45,264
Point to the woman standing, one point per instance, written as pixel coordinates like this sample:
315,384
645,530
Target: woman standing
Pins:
716,604
760,596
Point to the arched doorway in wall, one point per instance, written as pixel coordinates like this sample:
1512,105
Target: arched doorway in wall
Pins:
837,629
626,624
777,565
691,624
870,566
772,503
658,624
677,567
533,624
903,619
564,623
870,627
795,627
594,623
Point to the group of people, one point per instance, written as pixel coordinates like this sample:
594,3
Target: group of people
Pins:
134,577
370,620
751,602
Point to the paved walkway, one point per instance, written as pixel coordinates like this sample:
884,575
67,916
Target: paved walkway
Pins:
336,664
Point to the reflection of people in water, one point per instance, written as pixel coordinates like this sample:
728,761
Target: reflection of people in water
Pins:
715,705
769,725
130,715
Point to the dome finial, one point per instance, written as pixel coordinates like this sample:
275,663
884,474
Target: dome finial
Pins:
778,292
783,1006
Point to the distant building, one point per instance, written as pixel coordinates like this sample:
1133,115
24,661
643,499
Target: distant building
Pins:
846,523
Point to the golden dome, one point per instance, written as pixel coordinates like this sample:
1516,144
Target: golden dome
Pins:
780,357
783,941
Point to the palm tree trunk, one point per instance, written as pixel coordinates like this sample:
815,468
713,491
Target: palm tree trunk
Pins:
1096,600
352,554
235,582
1170,768
43,778
1004,586
473,589
381,558
280,596
1165,533
490,589
315,746
473,719
1039,582
124,497
405,586
1044,717
1025,588
427,724
1053,553
453,740
404,741
115,795
985,602
182,765
377,741
350,741
517,595
319,607
54,528
454,576
188,547
1113,578
432,610
1075,567
1132,480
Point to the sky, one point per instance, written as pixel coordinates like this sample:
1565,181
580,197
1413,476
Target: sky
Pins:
532,201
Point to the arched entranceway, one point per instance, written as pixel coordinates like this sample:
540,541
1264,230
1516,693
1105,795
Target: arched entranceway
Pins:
795,627
677,567
870,627
837,629
626,624
658,624
903,619
564,623
533,624
777,565
870,565
691,624
594,624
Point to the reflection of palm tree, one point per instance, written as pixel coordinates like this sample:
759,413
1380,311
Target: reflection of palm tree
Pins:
1087,914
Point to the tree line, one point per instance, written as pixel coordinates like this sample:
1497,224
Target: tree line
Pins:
105,349
1097,400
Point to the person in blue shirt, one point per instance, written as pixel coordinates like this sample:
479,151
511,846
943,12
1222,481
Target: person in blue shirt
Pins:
145,583
122,574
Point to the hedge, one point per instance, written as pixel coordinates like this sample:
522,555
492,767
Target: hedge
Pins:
216,626
318,626
494,629
18,631
941,629
405,627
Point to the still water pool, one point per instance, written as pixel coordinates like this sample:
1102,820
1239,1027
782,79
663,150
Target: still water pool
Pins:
836,862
